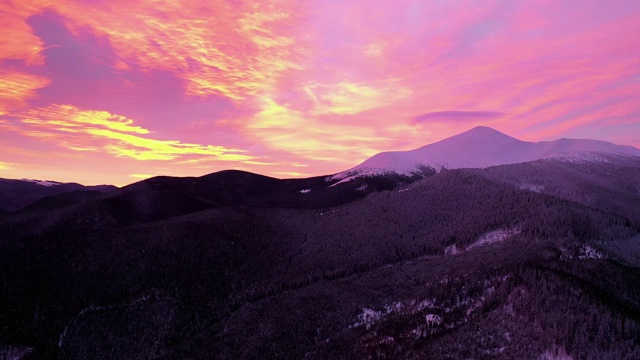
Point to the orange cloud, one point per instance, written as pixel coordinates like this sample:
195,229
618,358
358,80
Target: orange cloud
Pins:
16,88
68,117
217,47
283,128
348,98
290,174
141,176
18,41
81,130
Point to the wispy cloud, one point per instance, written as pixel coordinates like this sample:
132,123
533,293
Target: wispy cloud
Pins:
347,98
18,41
16,88
88,130
457,116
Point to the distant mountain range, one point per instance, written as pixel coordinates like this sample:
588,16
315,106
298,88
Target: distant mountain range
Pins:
482,147
16,194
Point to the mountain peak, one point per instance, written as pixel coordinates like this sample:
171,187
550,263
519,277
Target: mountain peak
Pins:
483,130
480,147
477,136
486,131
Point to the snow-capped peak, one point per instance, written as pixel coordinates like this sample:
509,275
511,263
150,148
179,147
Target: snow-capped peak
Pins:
480,147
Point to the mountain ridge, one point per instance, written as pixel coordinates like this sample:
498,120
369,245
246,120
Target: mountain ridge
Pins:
16,194
481,147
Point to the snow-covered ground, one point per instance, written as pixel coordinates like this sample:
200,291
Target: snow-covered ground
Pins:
493,237
532,187
588,252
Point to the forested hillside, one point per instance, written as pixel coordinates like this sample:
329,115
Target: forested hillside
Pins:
532,260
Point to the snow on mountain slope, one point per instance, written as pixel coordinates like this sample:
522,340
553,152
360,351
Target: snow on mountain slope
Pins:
47,183
481,147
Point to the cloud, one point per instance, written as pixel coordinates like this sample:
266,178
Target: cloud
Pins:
18,41
330,138
68,117
348,98
457,116
88,130
141,176
239,54
16,88
289,174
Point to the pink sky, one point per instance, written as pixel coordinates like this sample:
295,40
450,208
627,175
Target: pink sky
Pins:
114,91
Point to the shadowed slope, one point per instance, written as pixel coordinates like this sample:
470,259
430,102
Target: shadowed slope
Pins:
16,194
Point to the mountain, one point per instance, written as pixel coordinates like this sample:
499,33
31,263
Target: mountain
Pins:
528,260
16,194
482,147
165,197
535,260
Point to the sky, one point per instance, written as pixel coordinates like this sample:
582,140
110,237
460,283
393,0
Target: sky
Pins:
115,91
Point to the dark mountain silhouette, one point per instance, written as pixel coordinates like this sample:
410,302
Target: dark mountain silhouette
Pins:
165,197
16,194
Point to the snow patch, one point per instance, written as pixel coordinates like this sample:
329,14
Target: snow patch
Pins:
532,187
493,237
452,250
432,315
367,318
395,307
362,188
556,353
580,157
432,322
489,238
346,179
353,174
304,191
47,183
433,319
587,252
